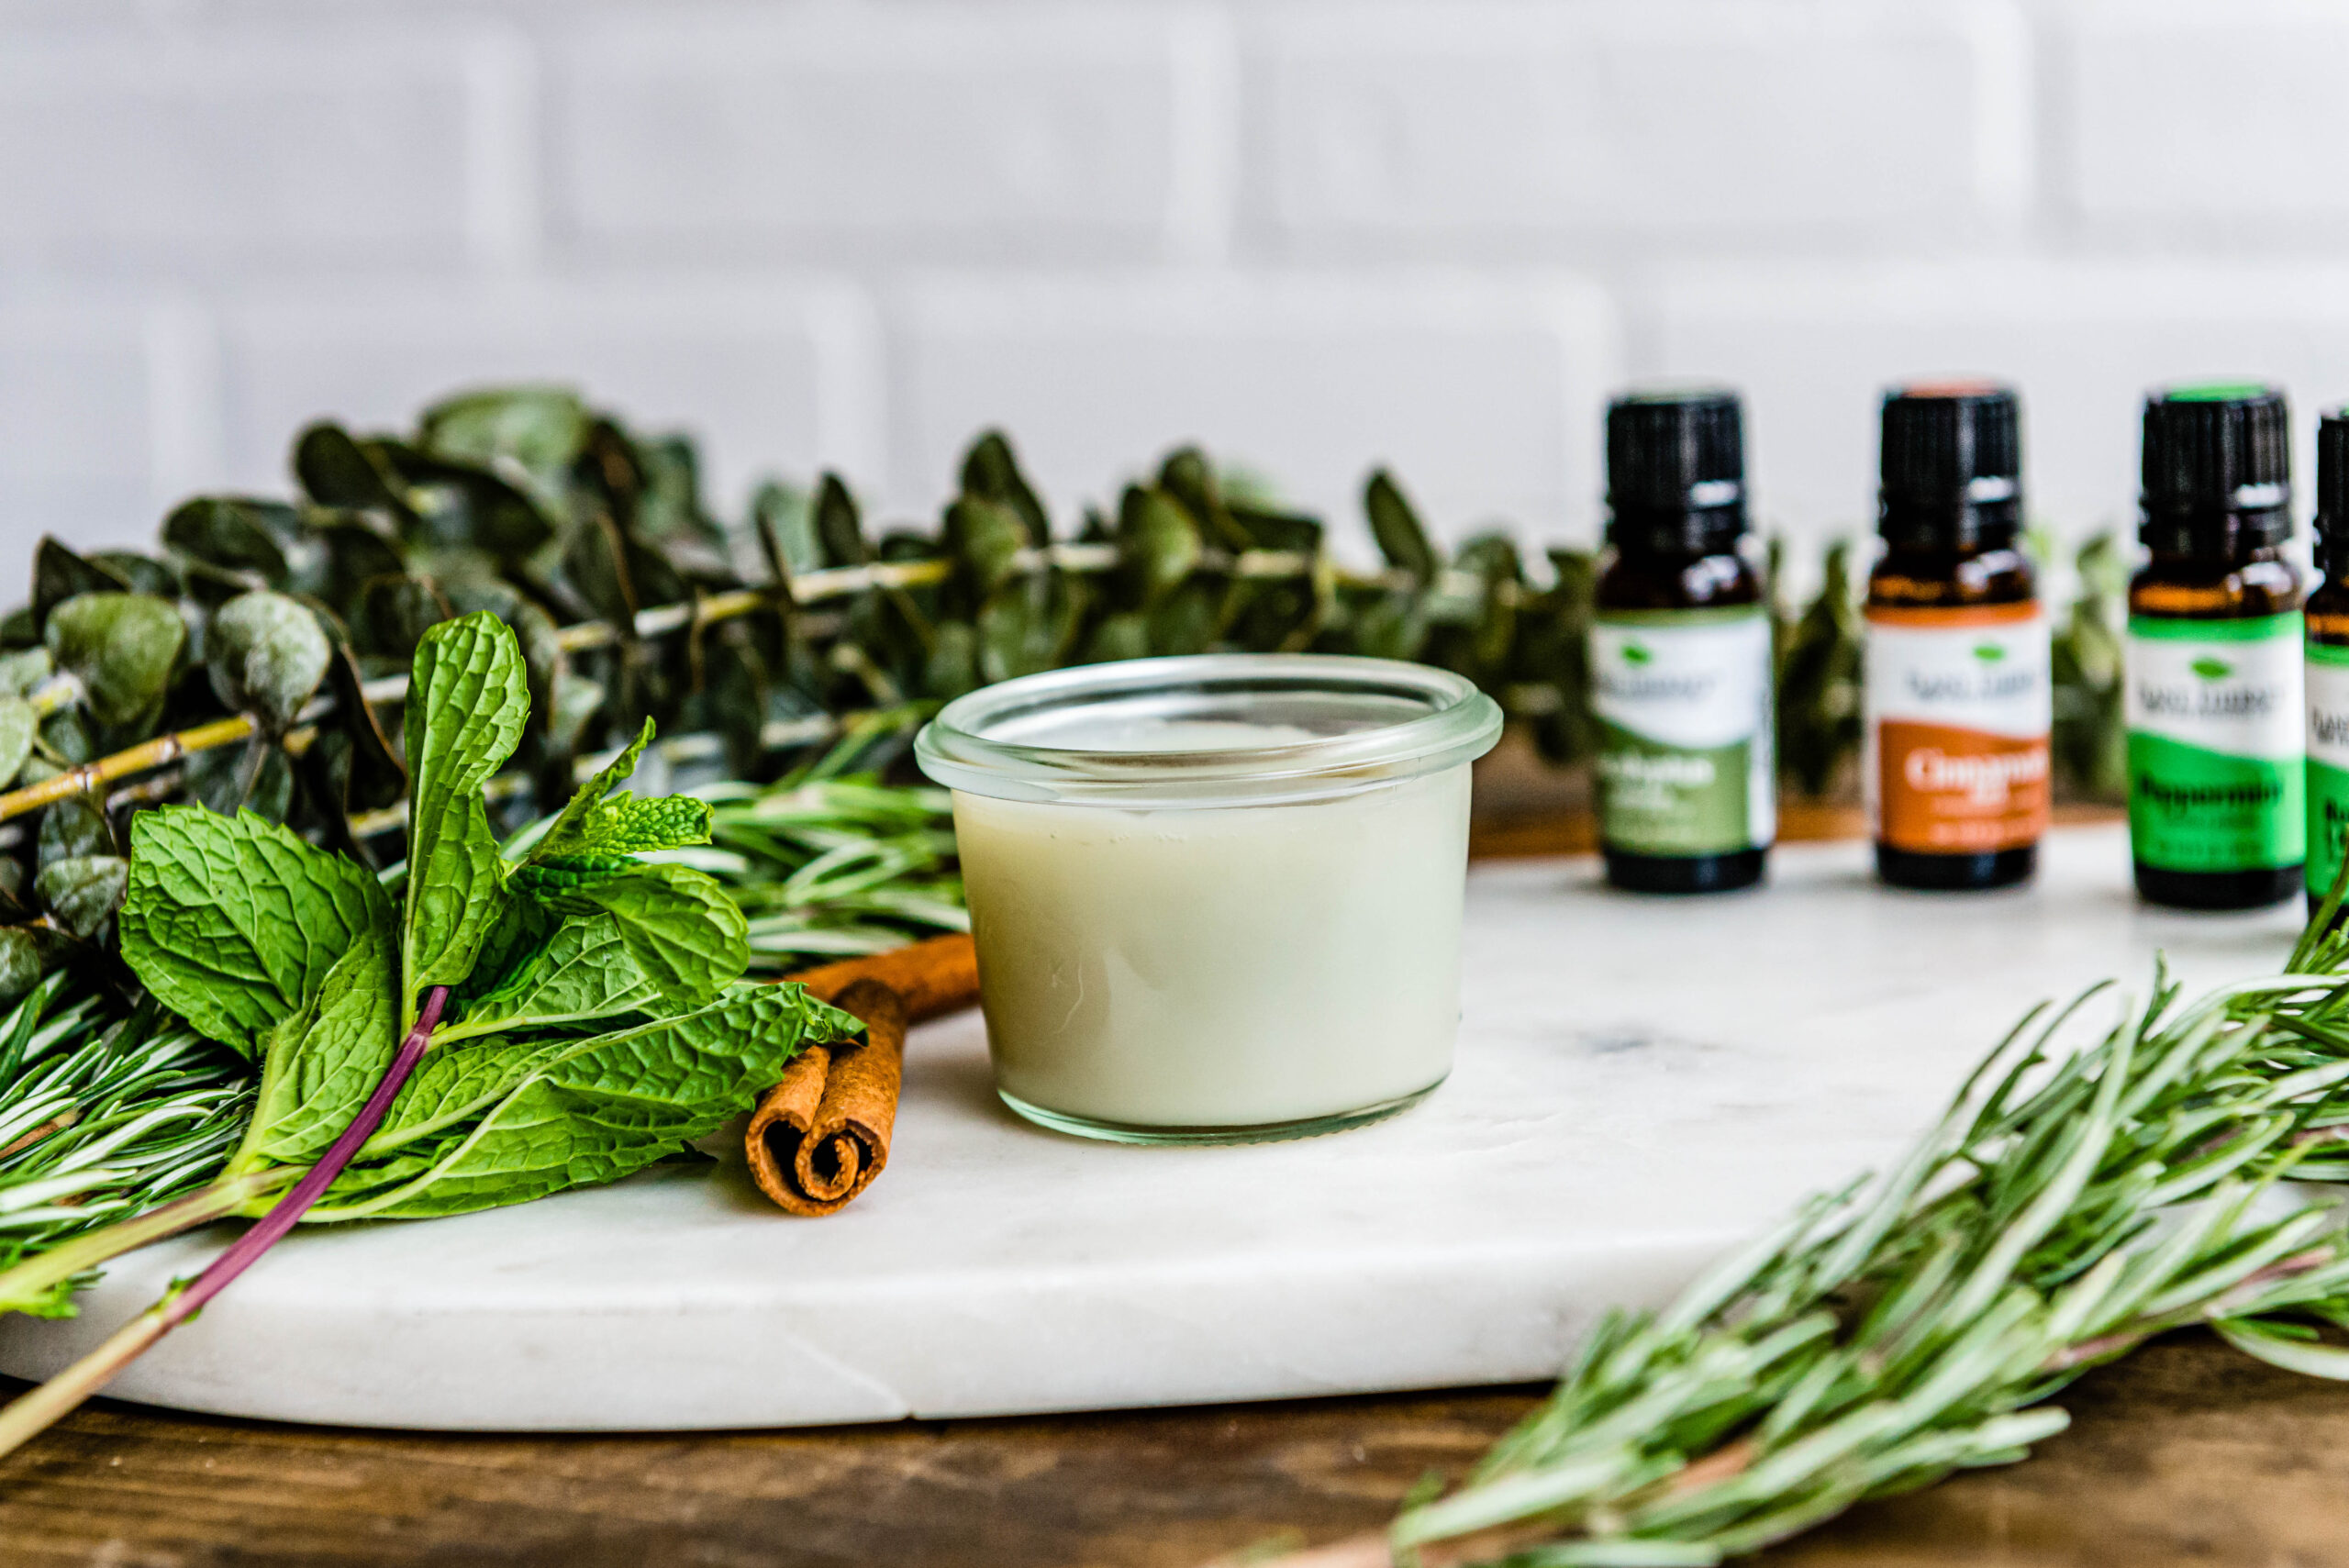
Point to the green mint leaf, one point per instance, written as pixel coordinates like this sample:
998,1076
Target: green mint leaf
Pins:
467,701
621,826
687,937
585,970
562,839
597,822
582,1112
232,922
328,1058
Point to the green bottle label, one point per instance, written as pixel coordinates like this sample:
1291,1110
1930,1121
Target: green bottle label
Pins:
1683,701
2328,740
2215,744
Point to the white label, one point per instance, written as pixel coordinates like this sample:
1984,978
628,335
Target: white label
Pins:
1696,686
2328,704
2238,697
1991,677
1983,671
1692,687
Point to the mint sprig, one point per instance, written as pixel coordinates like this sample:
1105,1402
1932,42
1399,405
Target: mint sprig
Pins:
509,1030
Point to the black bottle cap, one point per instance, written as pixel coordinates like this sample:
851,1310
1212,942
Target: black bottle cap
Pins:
2218,469
2333,492
1675,470
1952,465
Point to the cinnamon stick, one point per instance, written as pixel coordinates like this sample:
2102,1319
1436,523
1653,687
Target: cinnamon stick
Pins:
822,1135
941,976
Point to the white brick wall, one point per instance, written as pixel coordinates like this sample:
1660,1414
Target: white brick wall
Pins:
2221,120
1484,395
262,149
1317,234
1015,130
765,370
1749,120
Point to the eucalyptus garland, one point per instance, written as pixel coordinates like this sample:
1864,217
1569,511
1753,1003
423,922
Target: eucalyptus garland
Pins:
256,658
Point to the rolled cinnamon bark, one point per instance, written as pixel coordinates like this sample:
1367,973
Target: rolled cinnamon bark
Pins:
822,1135
941,976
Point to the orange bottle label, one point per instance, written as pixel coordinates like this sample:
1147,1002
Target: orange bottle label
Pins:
1958,708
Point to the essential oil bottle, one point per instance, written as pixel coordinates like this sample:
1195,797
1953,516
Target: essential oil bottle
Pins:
2327,661
1955,760
1680,652
2213,662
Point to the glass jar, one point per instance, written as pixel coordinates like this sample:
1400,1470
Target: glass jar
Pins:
1216,899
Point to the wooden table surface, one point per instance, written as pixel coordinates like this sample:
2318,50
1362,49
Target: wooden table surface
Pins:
2186,1453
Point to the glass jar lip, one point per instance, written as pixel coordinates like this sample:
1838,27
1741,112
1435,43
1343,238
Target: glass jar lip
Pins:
961,749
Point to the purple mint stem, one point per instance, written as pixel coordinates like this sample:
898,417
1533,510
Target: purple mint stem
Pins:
272,1226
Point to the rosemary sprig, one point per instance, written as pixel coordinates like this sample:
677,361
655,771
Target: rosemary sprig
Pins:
830,860
103,1114
2066,1208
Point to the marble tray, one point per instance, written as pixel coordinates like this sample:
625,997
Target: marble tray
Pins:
1640,1082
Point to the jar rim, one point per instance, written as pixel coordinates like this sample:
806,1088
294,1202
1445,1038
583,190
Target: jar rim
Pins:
964,748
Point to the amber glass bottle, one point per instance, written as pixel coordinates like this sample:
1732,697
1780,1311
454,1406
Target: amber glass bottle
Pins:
2214,679
1956,759
2328,662
1680,652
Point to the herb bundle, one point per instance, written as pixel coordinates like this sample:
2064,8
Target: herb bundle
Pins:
2065,1209
105,1113
504,1029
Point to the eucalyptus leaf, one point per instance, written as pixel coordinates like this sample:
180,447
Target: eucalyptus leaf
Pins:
337,470
595,564
534,432
1395,524
991,471
394,615
785,522
267,655
23,960
141,573
22,673
124,647
19,725
233,533
1158,539
256,775
70,827
82,891
987,537
59,575
838,527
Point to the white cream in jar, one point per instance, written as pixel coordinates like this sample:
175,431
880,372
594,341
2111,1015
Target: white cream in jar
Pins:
1216,898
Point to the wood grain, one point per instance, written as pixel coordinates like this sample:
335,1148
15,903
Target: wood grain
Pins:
2185,1454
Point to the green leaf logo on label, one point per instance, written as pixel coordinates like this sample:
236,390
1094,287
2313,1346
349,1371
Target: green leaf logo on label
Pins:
1635,655
2211,669
1988,653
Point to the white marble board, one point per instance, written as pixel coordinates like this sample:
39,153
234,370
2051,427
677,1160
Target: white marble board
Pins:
1640,1082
